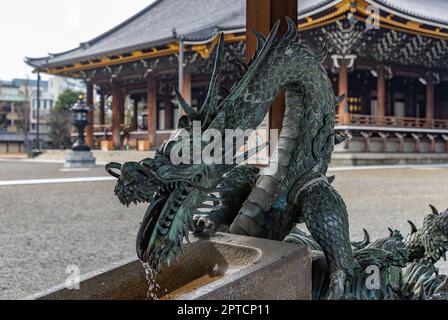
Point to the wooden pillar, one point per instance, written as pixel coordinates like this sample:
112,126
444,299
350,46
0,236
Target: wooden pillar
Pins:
261,16
116,114
429,100
90,115
152,110
381,96
135,114
122,111
102,115
343,90
186,91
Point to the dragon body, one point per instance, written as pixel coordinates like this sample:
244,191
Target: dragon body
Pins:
236,197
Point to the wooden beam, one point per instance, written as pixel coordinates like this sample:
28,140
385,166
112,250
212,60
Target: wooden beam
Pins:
261,16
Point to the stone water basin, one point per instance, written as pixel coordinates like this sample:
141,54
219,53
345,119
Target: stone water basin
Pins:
226,267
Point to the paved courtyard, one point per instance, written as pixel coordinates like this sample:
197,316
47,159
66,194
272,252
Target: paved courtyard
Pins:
46,226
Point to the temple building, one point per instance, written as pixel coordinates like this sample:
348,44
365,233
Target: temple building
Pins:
390,58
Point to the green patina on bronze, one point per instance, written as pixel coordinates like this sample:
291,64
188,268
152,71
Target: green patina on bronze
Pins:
241,199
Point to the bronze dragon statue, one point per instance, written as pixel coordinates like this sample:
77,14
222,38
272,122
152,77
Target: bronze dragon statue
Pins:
239,198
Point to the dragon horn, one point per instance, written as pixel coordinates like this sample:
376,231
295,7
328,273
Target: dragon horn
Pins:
192,114
213,90
413,227
292,29
434,210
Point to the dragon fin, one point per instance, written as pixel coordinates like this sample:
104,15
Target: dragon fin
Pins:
331,179
366,240
391,232
413,227
434,209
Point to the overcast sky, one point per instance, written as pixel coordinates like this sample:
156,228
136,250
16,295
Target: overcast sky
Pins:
35,27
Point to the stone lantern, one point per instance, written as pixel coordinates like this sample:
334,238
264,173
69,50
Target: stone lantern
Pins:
80,155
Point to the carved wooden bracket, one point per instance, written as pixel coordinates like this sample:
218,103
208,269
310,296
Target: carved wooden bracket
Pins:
401,137
432,138
367,136
445,138
384,137
417,138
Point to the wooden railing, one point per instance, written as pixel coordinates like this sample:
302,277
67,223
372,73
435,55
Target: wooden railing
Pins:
98,128
388,121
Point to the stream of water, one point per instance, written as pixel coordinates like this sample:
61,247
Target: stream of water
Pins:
153,286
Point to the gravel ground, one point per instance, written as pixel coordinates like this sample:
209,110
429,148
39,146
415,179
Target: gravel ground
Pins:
45,228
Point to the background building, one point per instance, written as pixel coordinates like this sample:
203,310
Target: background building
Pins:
11,101
18,111
389,57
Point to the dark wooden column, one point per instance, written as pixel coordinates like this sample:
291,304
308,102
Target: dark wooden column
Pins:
429,100
169,111
261,16
116,114
381,95
102,115
152,110
90,115
135,101
343,90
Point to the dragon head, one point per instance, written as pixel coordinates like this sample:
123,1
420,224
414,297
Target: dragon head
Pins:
176,190
175,193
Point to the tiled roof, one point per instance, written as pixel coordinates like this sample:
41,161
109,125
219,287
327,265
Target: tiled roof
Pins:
428,10
199,20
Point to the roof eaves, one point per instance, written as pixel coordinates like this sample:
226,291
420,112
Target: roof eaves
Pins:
408,14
